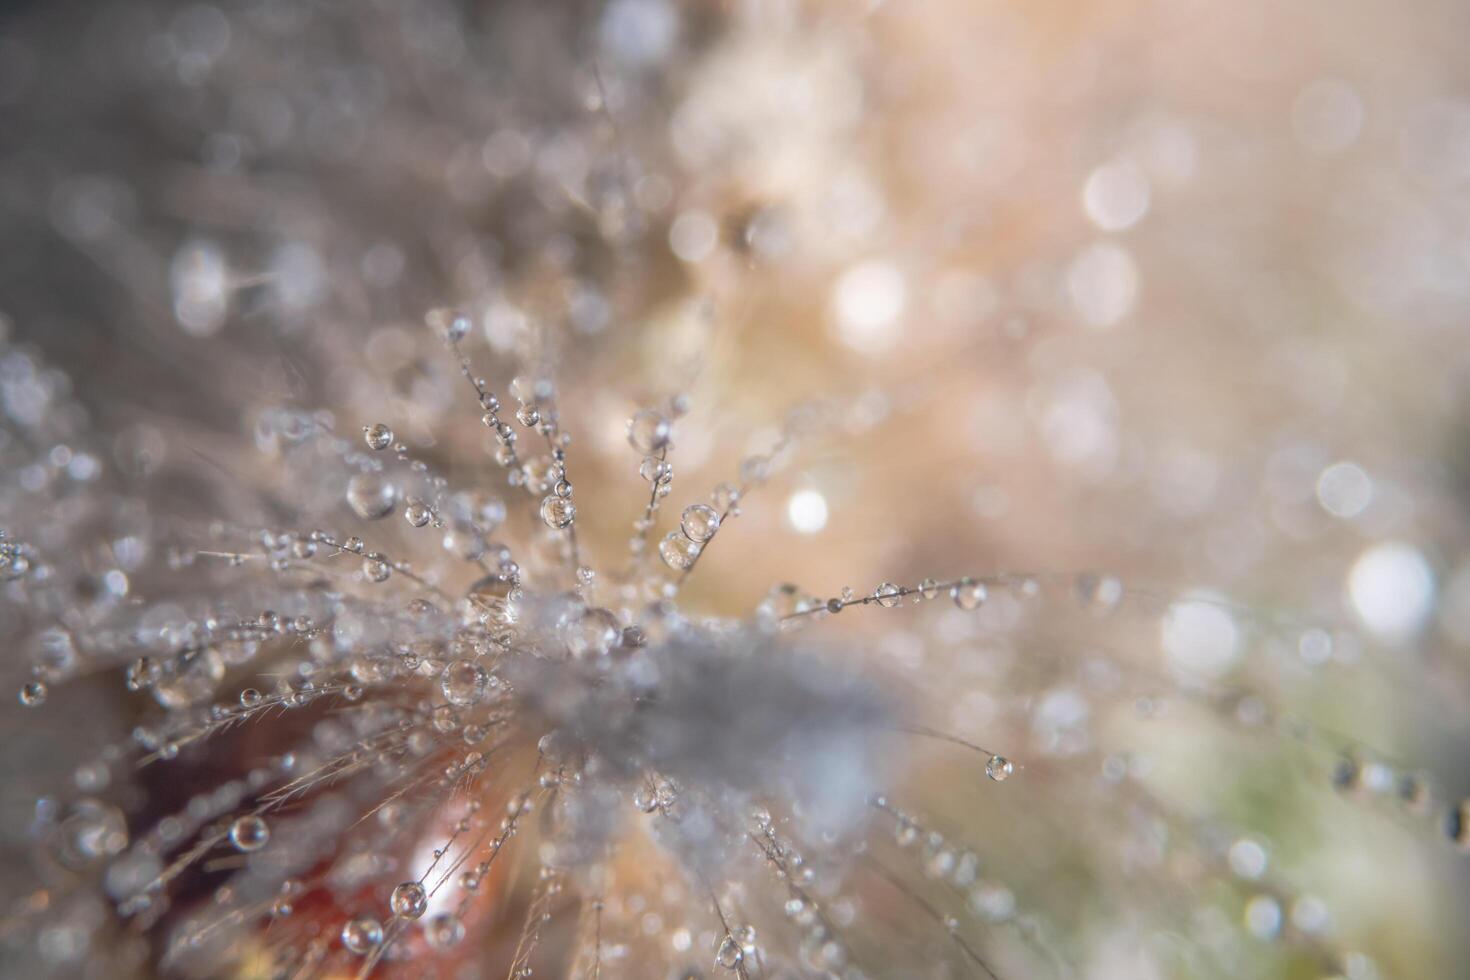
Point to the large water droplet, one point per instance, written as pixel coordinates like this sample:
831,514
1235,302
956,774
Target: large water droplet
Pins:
371,496
464,682
362,935
409,900
249,833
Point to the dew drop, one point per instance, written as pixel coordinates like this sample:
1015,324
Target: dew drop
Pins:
443,931
730,955
593,633
464,683
362,935
193,679
1098,593
378,437
888,595
700,522
409,900
558,512
417,512
969,594
655,470
677,551
999,768
249,833
725,496
33,694
648,431
371,496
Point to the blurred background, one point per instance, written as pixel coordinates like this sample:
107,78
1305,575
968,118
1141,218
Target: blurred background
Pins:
1171,291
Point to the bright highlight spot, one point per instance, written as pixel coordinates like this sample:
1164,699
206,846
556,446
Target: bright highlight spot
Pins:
807,511
1102,282
1391,589
867,303
693,236
1344,490
1200,639
1116,196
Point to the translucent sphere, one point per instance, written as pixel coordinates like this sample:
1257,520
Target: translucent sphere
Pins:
464,682
249,833
1098,593
193,680
378,437
558,512
443,931
655,470
677,551
998,768
700,522
725,497
729,956
417,512
969,594
455,323
371,496
648,431
888,595
593,633
409,900
362,935
33,694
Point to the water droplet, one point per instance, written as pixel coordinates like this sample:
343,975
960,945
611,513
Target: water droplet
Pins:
249,833
443,931
648,431
193,679
888,595
593,633
558,512
655,470
33,694
409,900
700,522
999,768
362,935
730,955
371,496
417,512
376,569
1098,593
725,496
93,830
969,594
464,682
378,437
677,551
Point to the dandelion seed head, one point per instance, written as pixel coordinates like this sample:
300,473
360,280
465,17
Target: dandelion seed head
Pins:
356,640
